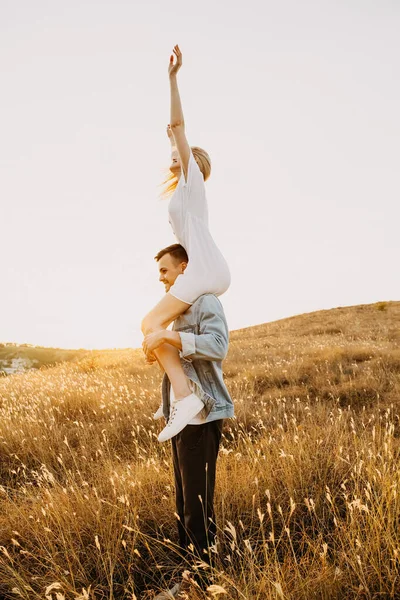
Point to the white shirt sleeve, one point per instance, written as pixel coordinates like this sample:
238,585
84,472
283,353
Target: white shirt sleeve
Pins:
194,190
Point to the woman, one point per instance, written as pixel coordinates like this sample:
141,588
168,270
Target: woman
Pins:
207,270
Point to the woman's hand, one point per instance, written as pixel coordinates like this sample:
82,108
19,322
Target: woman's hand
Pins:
170,135
174,68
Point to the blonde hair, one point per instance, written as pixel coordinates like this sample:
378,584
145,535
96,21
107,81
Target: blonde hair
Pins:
171,181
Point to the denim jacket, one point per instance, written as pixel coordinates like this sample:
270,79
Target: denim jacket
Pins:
205,338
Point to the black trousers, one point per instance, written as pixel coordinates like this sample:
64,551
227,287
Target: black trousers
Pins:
194,453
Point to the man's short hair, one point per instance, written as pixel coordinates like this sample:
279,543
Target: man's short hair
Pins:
177,252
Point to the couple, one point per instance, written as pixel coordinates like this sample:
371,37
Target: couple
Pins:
195,400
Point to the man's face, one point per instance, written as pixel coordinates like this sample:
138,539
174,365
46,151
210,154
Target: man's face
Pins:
169,271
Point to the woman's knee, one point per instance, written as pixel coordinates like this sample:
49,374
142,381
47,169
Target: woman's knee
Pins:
148,325
144,326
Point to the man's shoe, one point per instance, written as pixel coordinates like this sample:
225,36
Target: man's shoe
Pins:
168,594
183,590
157,415
182,412
180,591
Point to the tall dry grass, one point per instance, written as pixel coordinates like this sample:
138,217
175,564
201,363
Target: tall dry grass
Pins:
307,486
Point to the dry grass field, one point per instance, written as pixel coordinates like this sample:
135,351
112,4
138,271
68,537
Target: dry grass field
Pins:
307,502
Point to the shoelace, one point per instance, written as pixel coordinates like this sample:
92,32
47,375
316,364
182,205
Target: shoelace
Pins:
173,413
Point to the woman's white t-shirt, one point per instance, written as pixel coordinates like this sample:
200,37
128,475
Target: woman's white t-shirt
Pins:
207,270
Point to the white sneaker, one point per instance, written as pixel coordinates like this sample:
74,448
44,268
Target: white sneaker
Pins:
182,412
157,415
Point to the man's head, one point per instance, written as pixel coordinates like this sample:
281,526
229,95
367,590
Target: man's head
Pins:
172,261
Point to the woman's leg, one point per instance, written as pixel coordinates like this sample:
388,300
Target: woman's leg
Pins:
166,311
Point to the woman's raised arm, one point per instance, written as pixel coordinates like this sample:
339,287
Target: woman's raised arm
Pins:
177,121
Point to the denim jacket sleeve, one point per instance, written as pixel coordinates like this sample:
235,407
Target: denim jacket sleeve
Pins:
213,339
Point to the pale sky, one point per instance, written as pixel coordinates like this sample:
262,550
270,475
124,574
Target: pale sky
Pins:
297,104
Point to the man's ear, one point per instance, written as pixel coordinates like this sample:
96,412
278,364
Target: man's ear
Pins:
184,265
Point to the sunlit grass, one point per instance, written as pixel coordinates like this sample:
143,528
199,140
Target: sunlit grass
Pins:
307,477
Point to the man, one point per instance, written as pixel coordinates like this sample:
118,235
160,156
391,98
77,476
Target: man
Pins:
202,337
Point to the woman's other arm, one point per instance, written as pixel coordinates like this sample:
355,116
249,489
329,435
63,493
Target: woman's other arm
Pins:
177,121
171,136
